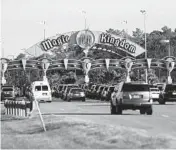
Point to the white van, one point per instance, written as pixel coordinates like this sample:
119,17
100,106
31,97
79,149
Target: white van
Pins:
41,91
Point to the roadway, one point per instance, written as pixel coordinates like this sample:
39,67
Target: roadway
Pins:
162,122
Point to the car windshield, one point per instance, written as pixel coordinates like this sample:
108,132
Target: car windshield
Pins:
135,88
76,90
170,88
7,89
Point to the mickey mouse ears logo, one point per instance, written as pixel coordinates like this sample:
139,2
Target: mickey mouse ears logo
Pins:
85,39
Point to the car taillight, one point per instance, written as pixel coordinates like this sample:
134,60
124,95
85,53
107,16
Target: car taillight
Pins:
82,94
151,100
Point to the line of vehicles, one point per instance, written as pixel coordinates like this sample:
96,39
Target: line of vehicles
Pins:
160,92
121,96
100,92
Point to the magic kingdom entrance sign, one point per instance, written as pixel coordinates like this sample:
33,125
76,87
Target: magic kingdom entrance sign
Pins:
87,38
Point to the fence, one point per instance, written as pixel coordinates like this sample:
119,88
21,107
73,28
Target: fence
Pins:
18,108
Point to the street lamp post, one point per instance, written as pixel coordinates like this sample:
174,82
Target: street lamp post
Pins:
126,29
85,20
44,30
144,13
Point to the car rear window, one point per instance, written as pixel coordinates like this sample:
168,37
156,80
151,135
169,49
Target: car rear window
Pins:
76,90
135,88
111,89
7,89
38,88
44,88
170,88
154,89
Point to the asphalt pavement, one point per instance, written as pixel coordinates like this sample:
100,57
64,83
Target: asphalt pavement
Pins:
162,122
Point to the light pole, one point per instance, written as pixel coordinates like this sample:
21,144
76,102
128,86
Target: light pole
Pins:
44,30
126,30
85,20
144,13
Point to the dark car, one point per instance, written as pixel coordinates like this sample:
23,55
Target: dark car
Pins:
7,92
98,92
93,93
104,93
90,90
168,94
109,92
68,87
76,94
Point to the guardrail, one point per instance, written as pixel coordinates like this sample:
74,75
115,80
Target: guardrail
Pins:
18,108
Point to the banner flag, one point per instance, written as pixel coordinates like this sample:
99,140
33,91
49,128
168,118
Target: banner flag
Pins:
107,63
24,63
66,63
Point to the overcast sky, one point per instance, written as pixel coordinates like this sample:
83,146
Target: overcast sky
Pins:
22,27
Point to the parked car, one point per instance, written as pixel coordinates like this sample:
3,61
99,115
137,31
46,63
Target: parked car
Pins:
93,93
75,94
155,92
109,92
89,91
62,91
7,92
104,93
131,96
67,88
168,94
59,91
98,92
161,86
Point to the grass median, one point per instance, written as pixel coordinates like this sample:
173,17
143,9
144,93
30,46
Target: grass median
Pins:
69,132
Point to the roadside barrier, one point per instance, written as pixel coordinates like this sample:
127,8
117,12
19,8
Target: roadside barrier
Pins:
23,109
18,108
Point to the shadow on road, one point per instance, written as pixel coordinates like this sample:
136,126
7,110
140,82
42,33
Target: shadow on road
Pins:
165,104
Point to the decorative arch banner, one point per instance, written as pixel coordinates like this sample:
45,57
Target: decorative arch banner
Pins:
85,38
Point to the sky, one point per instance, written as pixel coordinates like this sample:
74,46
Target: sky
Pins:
22,27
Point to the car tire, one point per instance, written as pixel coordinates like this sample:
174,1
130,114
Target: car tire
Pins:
83,100
112,109
142,111
68,100
119,109
149,110
161,101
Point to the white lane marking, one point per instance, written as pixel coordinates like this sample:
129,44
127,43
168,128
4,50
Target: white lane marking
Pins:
94,104
166,116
